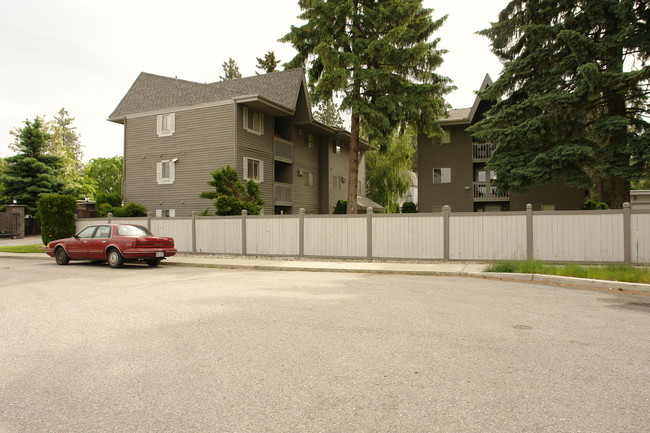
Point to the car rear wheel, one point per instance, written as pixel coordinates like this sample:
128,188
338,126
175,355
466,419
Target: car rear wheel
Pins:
153,262
115,259
61,256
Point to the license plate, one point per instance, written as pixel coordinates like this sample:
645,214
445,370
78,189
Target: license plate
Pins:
160,254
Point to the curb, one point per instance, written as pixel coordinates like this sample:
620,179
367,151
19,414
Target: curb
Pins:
617,286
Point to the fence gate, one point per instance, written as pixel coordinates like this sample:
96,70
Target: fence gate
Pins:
9,224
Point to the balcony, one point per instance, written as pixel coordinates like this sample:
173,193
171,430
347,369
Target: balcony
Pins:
482,152
484,191
283,150
283,194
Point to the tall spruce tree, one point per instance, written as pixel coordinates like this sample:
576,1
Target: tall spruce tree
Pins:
379,56
575,95
33,171
64,143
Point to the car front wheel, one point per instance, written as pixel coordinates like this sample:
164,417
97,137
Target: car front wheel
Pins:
62,257
115,259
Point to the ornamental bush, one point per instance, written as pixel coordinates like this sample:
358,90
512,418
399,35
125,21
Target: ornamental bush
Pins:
56,213
594,205
409,207
341,207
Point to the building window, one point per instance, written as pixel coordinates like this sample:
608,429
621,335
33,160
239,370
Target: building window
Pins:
165,213
166,124
309,179
253,122
337,181
336,148
253,169
482,175
442,175
446,138
166,171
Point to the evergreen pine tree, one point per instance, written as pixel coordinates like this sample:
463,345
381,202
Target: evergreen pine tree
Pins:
328,113
267,64
64,143
230,70
380,57
33,171
572,108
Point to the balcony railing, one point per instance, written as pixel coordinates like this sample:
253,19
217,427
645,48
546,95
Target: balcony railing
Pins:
481,152
283,194
283,150
484,191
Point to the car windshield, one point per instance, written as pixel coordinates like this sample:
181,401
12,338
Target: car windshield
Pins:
133,231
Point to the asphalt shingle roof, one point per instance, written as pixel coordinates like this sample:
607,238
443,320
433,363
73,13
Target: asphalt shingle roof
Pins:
152,92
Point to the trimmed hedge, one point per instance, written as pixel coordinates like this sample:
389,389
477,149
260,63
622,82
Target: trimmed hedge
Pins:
56,213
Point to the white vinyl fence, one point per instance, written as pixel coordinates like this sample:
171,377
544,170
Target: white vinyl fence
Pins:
612,236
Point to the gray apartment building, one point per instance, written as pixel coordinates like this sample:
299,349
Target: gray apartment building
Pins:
452,171
177,132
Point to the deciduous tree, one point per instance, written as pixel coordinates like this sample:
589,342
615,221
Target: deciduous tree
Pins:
380,57
105,174
574,91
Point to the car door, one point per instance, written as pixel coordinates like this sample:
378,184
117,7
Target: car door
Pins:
77,247
97,244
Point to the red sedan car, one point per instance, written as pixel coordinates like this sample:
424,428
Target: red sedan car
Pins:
115,243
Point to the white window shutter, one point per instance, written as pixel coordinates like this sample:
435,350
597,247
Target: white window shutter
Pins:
172,213
261,171
445,175
245,168
261,123
159,124
245,117
159,172
158,213
172,123
172,171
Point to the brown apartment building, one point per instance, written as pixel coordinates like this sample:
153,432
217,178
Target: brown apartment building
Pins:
177,132
452,171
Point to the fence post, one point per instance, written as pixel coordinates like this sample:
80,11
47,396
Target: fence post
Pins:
149,220
529,232
627,234
369,213
244,213
110,217
301,232
446,210
193,231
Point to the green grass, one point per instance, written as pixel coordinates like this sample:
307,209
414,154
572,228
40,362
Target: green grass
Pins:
23,249
629,274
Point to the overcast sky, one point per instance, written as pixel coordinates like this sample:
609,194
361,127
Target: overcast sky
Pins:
84,55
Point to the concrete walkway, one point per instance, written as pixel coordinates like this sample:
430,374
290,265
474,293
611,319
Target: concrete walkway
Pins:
434,268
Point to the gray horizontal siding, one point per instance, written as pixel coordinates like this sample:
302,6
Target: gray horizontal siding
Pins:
203,142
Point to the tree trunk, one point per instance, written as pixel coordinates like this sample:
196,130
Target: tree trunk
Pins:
353,169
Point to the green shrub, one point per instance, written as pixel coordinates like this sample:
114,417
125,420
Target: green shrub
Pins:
594,205
409,207
56,213
104,209
341,207
130,210
114,199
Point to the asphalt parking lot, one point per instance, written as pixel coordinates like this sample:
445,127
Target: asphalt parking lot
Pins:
86,348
